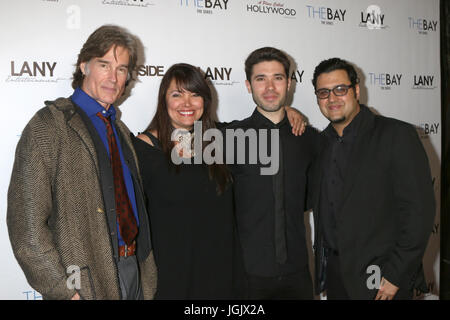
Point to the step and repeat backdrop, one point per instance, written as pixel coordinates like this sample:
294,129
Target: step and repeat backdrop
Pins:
393,44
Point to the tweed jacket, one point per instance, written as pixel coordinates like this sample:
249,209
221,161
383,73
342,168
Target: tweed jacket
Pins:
56,215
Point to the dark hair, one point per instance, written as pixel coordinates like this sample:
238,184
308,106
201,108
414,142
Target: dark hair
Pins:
333,64
266,54
191,79
99,43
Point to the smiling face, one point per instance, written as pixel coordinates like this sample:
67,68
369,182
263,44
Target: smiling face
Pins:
105,77
340,110
184,107
268,85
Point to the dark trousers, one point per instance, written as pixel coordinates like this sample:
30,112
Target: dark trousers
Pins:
297,286
130,282
335,285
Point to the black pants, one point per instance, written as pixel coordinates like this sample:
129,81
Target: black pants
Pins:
335,285
297,286
129,279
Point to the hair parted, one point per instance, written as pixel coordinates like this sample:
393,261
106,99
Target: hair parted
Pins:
266,54
333,64
189,78
99,43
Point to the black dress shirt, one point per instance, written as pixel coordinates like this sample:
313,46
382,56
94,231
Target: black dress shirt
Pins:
269,208
336,156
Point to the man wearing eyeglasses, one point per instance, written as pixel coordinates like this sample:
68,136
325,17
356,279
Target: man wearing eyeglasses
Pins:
372,195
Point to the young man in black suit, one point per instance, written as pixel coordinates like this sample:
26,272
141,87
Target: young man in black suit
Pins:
372,194
270,197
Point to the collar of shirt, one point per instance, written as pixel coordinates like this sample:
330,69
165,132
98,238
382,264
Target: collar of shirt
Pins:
90,106
261,121
349,131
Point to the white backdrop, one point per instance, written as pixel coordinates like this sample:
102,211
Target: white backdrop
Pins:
393,44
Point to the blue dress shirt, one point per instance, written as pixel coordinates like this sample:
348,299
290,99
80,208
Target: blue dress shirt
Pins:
91,107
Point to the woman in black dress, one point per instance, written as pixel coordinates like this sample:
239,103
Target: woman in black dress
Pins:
190,205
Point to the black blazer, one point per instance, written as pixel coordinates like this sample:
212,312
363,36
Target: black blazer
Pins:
387,211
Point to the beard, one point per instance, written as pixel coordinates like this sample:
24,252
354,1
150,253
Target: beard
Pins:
338,120
270,107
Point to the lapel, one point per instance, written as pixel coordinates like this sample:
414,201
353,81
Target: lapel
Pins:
76,123
128,152
359,153
324,144
317,187
144,239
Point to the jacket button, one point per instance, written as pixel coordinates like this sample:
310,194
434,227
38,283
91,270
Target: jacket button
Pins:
99,210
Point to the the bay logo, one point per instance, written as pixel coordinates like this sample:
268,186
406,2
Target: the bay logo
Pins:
32,295
327,16
385,81
205,6
427,129
422,26
297,76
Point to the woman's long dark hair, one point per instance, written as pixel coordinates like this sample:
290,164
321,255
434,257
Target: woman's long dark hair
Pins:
191,79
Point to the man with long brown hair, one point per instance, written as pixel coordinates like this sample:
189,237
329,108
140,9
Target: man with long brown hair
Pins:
76,216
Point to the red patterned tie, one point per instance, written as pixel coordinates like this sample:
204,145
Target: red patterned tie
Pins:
127,221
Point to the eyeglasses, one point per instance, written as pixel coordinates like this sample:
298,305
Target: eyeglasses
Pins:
340,90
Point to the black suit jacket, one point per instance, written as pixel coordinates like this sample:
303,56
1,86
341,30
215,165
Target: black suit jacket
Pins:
387,211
